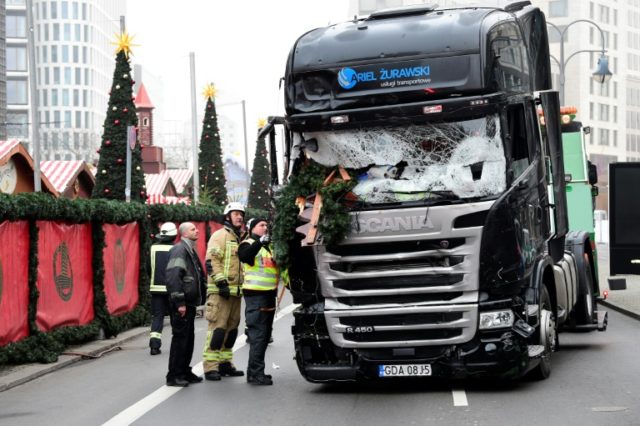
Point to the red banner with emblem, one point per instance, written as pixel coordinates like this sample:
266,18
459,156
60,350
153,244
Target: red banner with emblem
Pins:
121,257
14,281
65,276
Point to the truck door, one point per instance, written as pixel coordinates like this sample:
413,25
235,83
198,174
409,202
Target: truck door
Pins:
526,174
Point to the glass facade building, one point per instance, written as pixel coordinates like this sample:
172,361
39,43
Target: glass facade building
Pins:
74,69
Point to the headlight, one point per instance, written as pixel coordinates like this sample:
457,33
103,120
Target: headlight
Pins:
496,319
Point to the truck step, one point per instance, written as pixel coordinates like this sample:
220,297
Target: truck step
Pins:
600,325
535,351
603,320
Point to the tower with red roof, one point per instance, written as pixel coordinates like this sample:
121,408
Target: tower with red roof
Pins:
152,156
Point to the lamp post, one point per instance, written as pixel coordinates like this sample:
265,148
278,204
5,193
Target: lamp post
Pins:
601,75
244,130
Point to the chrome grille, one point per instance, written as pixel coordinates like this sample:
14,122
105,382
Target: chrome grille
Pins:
412,287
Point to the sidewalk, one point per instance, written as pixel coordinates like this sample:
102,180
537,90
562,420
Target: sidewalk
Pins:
624,301
15,375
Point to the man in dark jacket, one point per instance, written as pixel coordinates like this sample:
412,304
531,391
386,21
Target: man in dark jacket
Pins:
184,277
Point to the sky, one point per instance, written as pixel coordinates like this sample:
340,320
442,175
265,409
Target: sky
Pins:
240,46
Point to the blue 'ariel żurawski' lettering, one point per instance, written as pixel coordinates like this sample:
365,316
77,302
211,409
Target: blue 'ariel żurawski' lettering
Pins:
393,73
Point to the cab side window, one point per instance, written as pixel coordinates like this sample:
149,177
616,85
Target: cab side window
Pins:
517,141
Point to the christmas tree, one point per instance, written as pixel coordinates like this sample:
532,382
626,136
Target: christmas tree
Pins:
211,170
259,188
121,113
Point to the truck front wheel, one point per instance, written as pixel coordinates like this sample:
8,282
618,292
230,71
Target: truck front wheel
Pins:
547,335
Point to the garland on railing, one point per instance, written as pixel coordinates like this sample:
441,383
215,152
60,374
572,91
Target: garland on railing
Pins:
335,220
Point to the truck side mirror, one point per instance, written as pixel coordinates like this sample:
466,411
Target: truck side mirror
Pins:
593,173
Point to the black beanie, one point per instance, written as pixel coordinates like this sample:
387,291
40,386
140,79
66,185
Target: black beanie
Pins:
253,222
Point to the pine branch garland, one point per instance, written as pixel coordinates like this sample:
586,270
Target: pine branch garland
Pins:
335,221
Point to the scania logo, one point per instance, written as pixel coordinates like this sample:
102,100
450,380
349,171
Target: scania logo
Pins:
62,272
119,262
347,78
398,223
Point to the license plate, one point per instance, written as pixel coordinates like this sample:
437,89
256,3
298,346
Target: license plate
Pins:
404,370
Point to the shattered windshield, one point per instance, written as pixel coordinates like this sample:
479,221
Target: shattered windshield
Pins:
462,159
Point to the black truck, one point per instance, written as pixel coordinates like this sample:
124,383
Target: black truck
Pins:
459,261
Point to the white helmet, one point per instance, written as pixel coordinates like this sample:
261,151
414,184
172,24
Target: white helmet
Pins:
234,206
168,229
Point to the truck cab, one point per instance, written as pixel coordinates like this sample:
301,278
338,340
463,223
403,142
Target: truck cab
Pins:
457,259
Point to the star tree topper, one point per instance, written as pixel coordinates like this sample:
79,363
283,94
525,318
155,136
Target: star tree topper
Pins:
209,91
124,42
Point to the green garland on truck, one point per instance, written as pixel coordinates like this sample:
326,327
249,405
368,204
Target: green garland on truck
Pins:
335,220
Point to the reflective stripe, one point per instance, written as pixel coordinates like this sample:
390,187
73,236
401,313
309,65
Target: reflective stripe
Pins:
155,250
226,355
263,274
157,288
155,335
234,290
211,356
227,257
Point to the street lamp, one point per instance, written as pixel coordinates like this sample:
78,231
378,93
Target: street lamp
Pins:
601,75
244,131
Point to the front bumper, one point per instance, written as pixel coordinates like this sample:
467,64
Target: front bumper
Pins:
503,355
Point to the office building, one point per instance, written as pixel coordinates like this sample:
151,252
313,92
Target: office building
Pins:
75,63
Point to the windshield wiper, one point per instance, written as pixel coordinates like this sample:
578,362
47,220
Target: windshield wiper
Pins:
443,194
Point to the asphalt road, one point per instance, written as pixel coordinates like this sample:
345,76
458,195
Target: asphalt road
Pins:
595,381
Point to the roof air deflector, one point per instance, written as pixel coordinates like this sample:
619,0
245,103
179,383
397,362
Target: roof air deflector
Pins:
419,9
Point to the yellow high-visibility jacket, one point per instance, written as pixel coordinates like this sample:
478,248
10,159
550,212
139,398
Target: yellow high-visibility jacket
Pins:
263,274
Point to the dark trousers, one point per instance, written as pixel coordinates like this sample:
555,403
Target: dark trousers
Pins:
159,308
182,329
258,315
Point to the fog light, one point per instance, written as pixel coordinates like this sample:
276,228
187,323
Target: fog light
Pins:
490,348
496,319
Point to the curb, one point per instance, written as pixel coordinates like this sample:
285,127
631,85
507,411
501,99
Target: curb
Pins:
27,372
620,309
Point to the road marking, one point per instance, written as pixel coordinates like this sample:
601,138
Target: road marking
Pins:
609,409
459,398
163,393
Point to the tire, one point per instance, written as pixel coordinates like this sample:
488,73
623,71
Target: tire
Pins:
585,306
547,335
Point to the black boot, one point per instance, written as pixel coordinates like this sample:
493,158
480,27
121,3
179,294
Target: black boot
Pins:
212,375
262,380
178,382
226,369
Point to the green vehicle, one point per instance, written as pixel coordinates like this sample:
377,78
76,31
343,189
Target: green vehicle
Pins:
581,178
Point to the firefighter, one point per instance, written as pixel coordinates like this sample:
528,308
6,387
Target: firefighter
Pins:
260,289
157,288
224,295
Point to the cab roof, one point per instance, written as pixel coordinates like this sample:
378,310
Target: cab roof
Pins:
386,35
